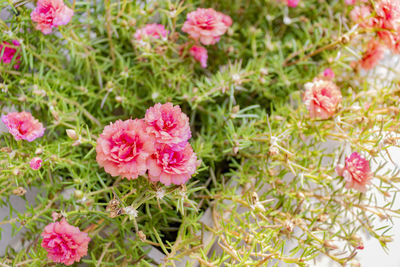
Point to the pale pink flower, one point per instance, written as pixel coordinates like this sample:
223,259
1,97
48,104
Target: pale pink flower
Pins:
372,55
22,125
123,148
49,14
387,14
168,124
292,3
362,16
356,172
328,74
151,31
350,2
172,167
35,163
9,52
199,53
64,243
206,25
322,98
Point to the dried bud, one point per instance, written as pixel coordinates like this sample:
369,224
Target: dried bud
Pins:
16,172
6,149
330,245
72,134
323,217
19,191
356,242
385,239
355,263
22,98
390,141
264,71
39,151
273,150
141,236
288,225
112,205
119,99
132,22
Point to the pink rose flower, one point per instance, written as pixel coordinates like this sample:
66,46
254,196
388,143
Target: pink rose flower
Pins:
123,148
329,74
292,3
35,163
155,31
199,53
49,14
22,125
169,166
10,51
64,243
206,25
372,56
168,124
356,172
322,98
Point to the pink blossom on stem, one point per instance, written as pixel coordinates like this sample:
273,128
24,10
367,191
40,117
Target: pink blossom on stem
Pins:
23,126
356,172
322,98
64,243
372,55
199,53
35,163
49,14
172,167
292,3
155,31
123,148
168,124
206,25
8,52
329,74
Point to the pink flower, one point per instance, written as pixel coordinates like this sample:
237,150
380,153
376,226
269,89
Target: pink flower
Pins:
199,53
123,148
64,243
292,3
169,166
387,14
35,163
356,172
350,2
206,25
372,56
49,14
329,74
168,124
10,51
362,16
322,98
22,125
155,31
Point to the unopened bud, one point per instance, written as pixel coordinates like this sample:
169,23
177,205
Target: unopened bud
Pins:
330,245
141,236
288,225
78,194
39,151
19,191
72,134
385,239
273,150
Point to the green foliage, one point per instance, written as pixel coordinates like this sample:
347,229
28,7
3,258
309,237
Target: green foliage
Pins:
246,103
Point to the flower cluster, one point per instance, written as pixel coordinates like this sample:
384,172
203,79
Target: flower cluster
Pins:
151,31
64,243
383,17
205,26
157,144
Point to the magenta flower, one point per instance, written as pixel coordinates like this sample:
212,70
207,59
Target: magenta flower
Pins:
155,31
168,124
199,53
22,125
123,148
172,167
35,163
206,25
328,74
356,172
64,243
49,14
292,3
8,52
322,98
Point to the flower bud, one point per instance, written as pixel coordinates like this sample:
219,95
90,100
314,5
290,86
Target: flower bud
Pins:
72,134
78,194
141,236
19,191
